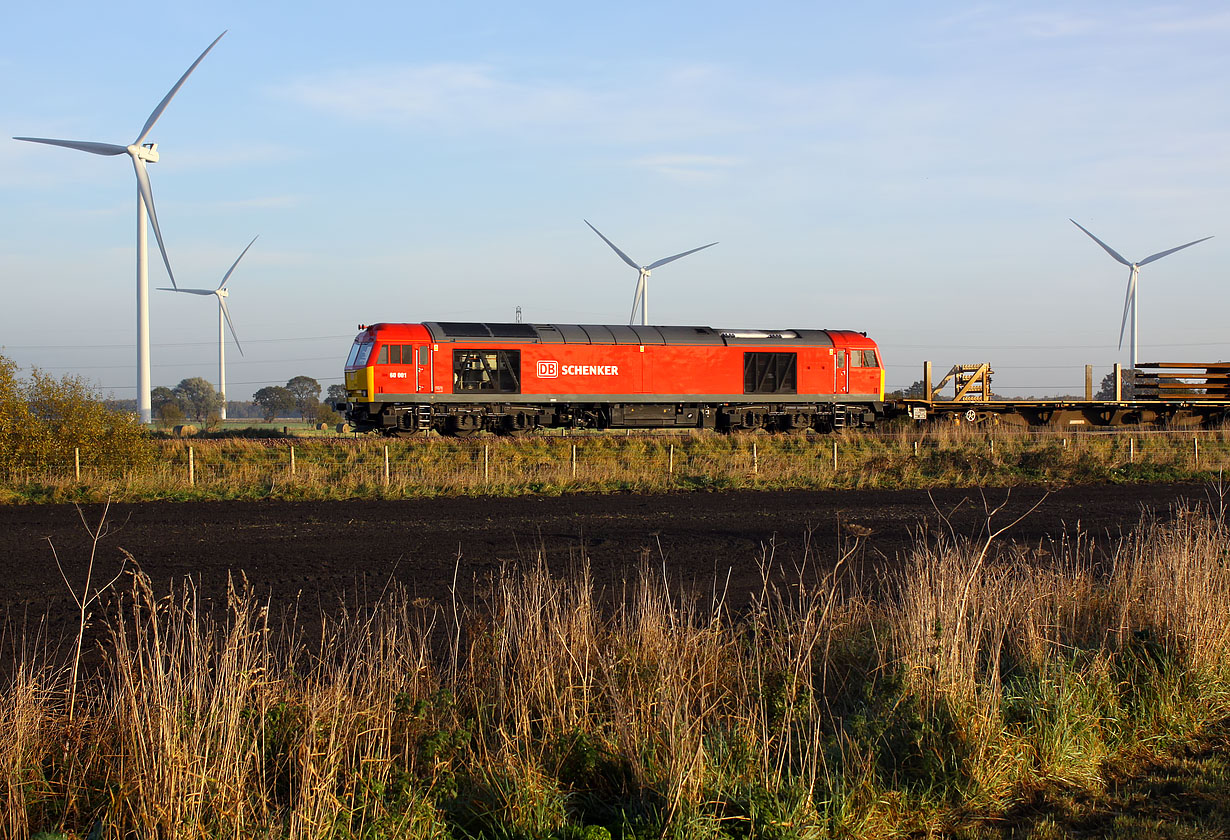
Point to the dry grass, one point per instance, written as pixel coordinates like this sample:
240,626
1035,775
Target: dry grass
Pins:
343,467
828,707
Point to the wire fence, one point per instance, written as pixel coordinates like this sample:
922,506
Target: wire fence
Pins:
328,468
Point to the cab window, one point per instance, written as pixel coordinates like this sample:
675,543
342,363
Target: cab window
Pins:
365,353
354,353
864,358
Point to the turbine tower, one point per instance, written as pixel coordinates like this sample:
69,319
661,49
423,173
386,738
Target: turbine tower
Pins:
141,154
1129,302
641,298
224,315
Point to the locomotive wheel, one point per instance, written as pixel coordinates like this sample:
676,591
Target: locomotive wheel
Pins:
796,424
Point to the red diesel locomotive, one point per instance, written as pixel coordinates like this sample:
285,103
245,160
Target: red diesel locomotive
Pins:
462,378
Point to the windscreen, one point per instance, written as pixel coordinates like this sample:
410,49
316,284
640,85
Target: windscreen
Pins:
359,353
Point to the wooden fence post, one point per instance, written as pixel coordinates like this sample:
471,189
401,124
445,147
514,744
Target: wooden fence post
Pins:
574,460
191,468
1131,450
486,463
670,469
755,459
1195,451
386,466
292,460
77,461
834,456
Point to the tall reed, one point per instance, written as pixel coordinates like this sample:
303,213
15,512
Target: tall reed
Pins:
827,704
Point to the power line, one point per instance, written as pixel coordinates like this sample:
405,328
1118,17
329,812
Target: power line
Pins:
129,345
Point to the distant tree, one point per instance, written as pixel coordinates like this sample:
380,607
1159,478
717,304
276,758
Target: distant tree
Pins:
242,409
306,393
273,400
169,414
159,397
326,414
917,391
197,397
1106,391
336,393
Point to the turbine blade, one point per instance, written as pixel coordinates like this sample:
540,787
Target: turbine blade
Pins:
227,314
665,260
622,255
237,259
1127,303
147,196
1161,254
636,297
187,291
79,145
162,106
1108,249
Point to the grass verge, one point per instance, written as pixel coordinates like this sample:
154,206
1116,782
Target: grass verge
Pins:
237,468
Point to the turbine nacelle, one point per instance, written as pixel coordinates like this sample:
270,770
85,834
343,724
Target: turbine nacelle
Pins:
641,296
142,153
147,152
1129,302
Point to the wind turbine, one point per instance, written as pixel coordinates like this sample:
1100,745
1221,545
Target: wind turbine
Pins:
1129,302
141,154
641,297
223,315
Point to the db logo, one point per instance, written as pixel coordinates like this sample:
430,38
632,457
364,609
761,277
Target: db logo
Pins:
548,369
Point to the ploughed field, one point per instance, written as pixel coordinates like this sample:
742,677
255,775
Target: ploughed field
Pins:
325,555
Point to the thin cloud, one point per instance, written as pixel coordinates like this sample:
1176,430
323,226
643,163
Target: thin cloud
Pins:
437,93
274,201
652,104
687,167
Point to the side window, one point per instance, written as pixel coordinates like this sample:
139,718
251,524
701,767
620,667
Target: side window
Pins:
769,373
487,370
383,358
395,354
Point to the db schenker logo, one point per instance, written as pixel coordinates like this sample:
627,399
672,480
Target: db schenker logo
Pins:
548,369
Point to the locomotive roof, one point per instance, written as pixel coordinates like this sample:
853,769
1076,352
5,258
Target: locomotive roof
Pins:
445,331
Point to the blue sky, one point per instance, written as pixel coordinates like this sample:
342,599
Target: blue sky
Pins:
899,168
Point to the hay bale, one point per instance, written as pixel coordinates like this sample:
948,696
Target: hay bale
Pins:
186,430
343,428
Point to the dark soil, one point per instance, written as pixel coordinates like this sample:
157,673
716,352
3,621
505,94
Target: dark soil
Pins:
329,553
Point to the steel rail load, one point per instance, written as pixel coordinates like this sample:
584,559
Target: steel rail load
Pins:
460,378
1167,395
